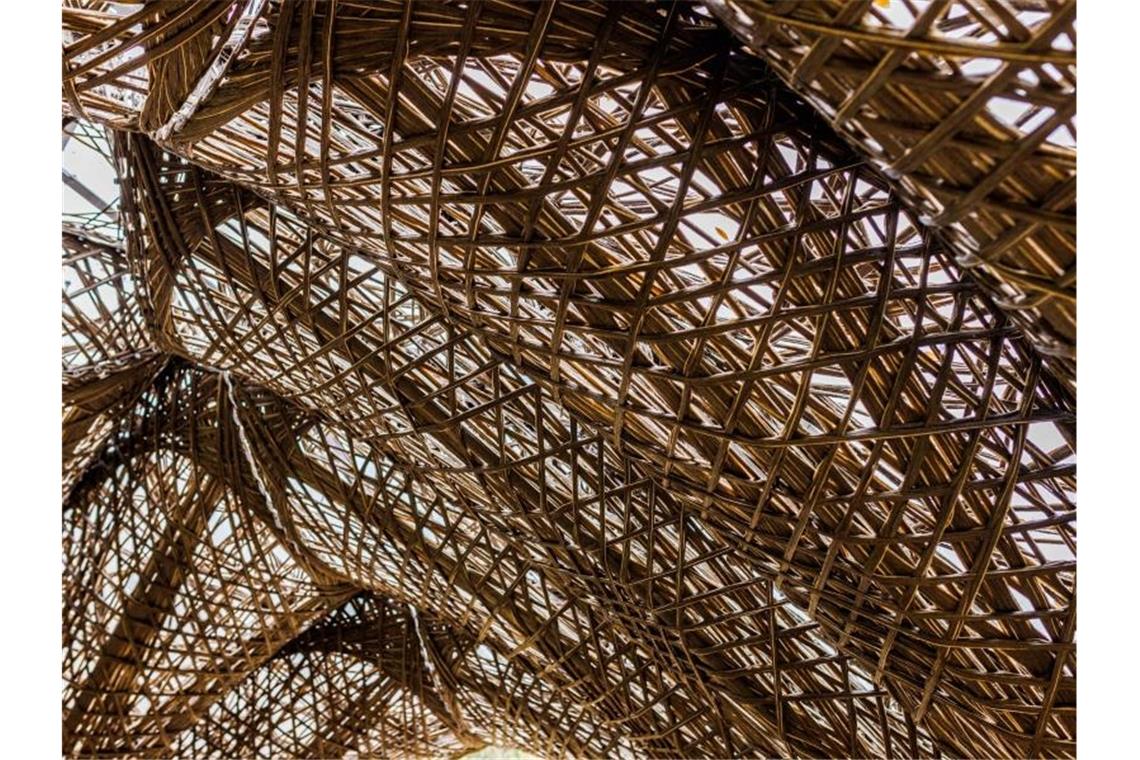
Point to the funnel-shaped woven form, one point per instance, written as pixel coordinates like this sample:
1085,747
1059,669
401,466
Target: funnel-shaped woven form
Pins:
547,376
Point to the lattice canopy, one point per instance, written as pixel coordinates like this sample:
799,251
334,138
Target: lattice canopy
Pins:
441,376
972,107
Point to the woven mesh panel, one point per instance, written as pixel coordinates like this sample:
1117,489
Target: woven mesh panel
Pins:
573,328
972,107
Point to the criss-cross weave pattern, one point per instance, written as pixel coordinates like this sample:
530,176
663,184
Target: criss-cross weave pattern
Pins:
537,375
411,498
971,105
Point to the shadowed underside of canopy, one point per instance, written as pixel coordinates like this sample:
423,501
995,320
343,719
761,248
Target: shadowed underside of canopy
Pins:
534,375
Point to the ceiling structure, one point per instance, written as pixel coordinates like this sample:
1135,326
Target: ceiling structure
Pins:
449,375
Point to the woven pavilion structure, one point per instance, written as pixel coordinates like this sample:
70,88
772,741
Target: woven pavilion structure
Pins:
596,379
